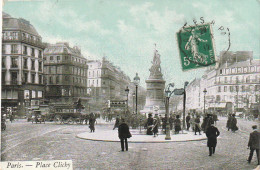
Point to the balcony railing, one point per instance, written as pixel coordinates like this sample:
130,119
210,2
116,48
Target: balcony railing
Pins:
23,39
14,66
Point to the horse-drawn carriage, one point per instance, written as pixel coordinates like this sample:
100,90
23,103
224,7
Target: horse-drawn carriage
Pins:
38,117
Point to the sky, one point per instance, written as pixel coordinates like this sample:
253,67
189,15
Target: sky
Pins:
125,31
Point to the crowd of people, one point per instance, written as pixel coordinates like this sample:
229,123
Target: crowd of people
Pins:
208,126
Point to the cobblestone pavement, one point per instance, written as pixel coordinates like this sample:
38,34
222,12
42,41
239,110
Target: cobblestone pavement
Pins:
26,141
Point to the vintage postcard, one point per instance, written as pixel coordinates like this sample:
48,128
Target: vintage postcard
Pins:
133,85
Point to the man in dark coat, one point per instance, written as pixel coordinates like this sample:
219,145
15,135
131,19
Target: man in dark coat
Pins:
254,144
188,121
164,120
123,134
177,124
197,125
155,127
212,133
233,123
229,121
92,121
149,124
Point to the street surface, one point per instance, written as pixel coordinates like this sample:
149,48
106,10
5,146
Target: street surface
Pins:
24,141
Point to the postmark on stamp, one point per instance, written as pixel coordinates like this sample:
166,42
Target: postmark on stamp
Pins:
196,46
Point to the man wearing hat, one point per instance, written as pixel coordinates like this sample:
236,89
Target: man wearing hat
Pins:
212,133
123,134
254,144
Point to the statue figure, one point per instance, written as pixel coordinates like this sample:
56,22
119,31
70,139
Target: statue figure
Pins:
156,67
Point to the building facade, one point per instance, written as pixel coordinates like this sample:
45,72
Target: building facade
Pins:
235,81
108,82
105,82
22,66
66,74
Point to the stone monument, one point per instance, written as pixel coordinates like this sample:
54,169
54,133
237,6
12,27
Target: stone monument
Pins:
155,88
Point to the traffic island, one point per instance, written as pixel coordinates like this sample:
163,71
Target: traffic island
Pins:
137,137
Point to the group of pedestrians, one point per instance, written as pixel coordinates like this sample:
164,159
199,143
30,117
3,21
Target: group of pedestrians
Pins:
194,123
207,126
232,123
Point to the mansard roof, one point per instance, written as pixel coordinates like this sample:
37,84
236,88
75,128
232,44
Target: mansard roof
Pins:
10,23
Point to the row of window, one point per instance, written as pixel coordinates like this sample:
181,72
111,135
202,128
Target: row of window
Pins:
62,69
238,98
239,79
239,70
25,78
15,50
57,79
11,35
59,58
14,63
32,94
98,73
239,88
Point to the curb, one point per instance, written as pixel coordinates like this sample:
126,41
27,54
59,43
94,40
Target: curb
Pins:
166,141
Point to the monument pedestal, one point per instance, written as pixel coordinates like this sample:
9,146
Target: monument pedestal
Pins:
155,89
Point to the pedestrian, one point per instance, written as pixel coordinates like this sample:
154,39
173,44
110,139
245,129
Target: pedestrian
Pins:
207,122
215,118
117,122
233,123
229,122
149,124
188,121
212,133
177,124
197,125
158,120
92,121
164,121
254,144
155,127
123,134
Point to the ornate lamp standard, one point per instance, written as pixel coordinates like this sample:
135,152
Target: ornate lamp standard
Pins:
168,94
127,92
136,82
204,91
184,103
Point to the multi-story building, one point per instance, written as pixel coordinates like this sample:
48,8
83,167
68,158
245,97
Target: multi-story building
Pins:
235,81
193,95
66,74
105,82
108,82
22,66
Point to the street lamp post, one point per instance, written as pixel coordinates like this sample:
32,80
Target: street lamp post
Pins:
136,82
133,102
204,91
184,103
168,94
127,92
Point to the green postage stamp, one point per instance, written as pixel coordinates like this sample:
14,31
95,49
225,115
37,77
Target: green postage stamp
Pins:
196,46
